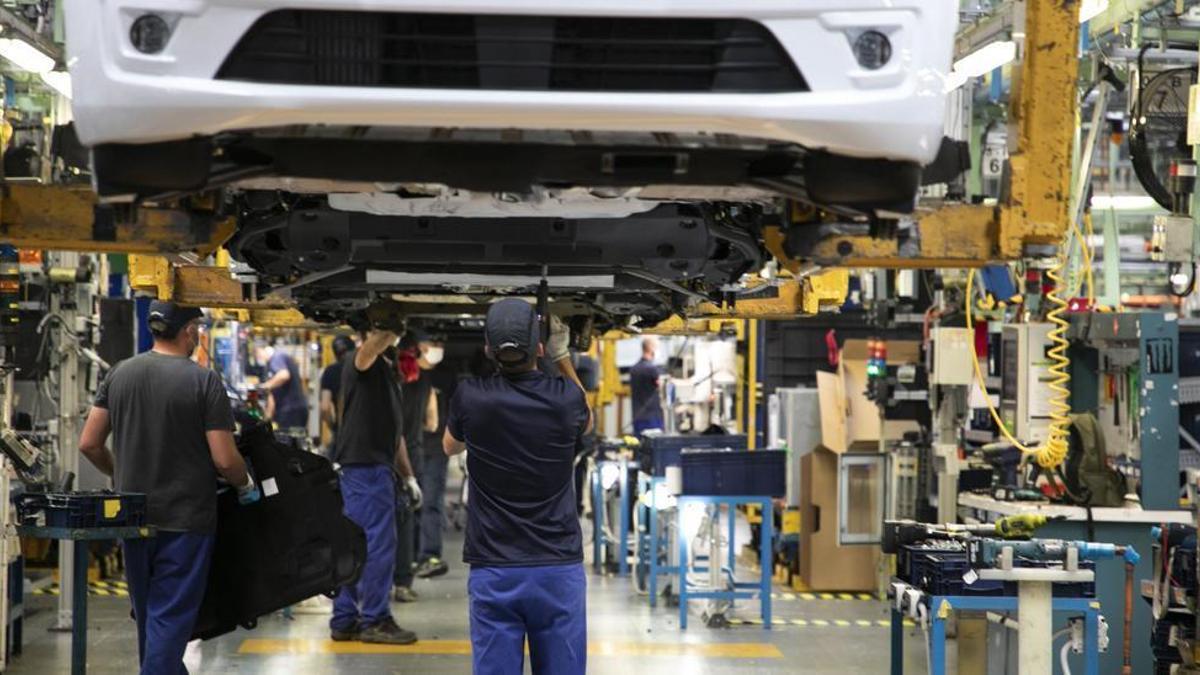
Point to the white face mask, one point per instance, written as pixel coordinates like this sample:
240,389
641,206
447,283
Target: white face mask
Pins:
434,355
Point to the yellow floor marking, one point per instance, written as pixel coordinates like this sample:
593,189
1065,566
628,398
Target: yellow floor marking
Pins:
779,622
882,622
756,622
789,596
862,622
799,622
828,596
808,596
841,622
865,596
845,596
774,596
820,622
728,650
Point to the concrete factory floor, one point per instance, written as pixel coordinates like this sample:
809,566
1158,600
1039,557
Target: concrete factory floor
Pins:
812,635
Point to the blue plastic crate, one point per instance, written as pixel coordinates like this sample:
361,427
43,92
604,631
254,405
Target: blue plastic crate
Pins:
84,509
663,451
734,472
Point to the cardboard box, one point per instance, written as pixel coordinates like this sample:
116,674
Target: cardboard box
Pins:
849,420
826,565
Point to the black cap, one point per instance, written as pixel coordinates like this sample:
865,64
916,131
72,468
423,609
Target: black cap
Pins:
512,331
413,337
342,345
167,318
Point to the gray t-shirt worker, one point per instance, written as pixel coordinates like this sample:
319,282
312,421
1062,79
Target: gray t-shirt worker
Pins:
172,430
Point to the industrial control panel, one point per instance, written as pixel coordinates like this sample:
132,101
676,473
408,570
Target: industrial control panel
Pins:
1025,371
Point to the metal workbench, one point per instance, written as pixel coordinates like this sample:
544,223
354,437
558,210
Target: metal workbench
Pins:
1108,525
80,585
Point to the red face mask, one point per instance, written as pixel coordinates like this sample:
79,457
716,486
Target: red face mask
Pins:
407,365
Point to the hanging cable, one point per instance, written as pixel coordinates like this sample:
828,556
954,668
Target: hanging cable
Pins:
1052,451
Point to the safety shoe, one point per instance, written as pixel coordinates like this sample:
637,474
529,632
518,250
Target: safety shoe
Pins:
349,634
386,632
404,594
433,567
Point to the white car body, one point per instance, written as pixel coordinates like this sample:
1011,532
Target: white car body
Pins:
894,112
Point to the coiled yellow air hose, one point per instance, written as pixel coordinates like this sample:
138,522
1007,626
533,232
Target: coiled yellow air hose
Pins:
1053,450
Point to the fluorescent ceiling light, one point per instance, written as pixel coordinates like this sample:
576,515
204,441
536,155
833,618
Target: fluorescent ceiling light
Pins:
25,56
58,80
986,58
1089,9
1123,203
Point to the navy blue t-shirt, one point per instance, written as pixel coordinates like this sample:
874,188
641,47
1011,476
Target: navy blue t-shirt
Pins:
290,396
643,388
520,432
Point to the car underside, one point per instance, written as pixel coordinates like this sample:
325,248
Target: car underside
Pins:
665,166
634,269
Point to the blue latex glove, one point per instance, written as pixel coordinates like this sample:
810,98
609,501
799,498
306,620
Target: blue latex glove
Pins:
249,493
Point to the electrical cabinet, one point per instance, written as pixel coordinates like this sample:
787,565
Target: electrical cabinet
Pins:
1025,374
953,351
796,425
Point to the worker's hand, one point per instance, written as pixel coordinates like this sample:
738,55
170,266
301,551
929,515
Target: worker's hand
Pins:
414,491
249,493
557,347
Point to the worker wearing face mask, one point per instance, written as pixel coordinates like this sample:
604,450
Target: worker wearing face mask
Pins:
442,380
420,416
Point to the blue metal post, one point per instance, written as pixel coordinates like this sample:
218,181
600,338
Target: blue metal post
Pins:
79,617
597,519
623,533
937,639
683,565
653,581
897,642
766,536
1091,641
731,514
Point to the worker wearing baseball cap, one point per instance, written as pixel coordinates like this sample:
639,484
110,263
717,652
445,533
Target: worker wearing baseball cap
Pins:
523,544
172,429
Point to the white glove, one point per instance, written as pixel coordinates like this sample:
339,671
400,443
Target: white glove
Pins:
560,336
414,491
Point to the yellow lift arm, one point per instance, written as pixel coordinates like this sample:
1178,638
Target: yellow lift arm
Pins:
1035,210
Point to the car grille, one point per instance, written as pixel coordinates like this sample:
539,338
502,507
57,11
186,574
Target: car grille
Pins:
527,53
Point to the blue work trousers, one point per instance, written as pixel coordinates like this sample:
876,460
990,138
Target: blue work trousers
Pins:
644,425
292,418
547,605
369,492
433,508
167,575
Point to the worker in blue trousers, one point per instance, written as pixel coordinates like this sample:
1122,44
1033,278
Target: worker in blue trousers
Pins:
524,545
172,429
370,447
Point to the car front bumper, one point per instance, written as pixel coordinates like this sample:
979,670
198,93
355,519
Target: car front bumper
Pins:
895,112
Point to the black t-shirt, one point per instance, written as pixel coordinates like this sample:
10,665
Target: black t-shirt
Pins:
331,379
444,381
369,414
160,407
413,401
643,388
520,433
